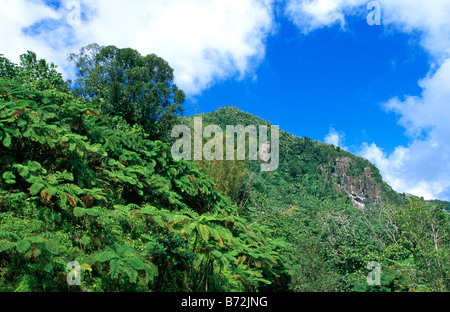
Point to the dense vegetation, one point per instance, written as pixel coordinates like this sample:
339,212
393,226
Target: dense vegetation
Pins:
80,186
138,88
86,175
332,242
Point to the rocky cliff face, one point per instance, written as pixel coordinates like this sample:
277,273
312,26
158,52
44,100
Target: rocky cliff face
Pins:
360,187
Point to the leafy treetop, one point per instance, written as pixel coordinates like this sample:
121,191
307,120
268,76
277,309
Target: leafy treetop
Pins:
140,89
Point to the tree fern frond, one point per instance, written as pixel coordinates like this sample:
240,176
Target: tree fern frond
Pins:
105,256
204,231
8,234
52,247
131,273
36,188
136,263
5,246
115,267
38,239
23,246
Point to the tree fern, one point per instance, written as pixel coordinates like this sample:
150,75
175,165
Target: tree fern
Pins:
115,267
204,231
8,235
23,246
90,188
136,263
5,246
105,256
36,188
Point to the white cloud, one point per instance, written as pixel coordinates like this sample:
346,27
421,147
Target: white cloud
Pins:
425,164
16,15
427,17
204,41
422,167
335,138
310,15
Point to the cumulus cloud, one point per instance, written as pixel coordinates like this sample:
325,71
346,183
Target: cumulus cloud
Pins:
335,138
310,15
204,41
423,167
15,17
428,17
420,169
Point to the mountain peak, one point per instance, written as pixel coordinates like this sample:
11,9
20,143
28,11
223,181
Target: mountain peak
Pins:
331,169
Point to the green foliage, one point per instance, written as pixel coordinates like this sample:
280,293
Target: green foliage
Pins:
425,228
82,179
330,242
140,89
231,176
77,185
33,72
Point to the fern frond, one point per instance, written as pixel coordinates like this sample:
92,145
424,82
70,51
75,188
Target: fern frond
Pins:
5,246
105,256
115,268
204,231
23,246
8,234
131,273
136,263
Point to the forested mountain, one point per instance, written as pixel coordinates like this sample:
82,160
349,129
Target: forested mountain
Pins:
337,214
91,198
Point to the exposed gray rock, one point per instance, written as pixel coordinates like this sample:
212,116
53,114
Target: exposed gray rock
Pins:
360,188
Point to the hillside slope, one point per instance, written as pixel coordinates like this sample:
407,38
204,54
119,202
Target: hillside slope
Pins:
337,213
323,170
89,202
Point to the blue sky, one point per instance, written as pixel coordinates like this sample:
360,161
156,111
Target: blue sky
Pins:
309,83
313,67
